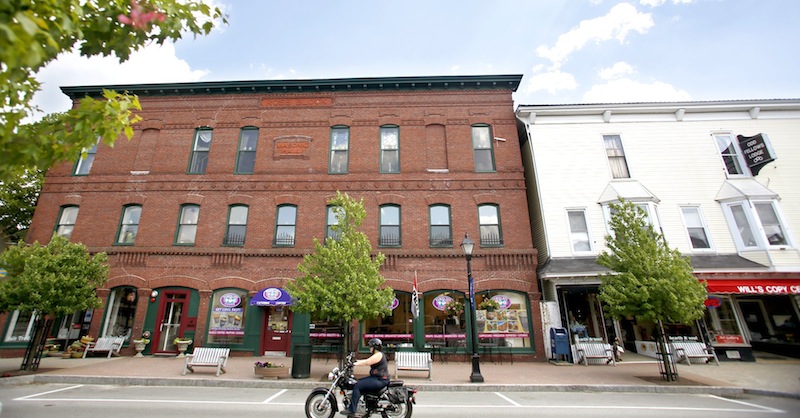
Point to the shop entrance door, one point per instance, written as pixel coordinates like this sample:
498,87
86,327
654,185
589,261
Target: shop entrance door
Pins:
277,335
171,317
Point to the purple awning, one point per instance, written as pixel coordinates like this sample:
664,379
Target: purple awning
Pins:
271,296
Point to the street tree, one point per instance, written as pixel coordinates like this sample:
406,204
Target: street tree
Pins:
50,281
18,197
649,280
34,33
341,280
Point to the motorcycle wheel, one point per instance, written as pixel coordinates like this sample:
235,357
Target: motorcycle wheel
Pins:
402,410
320,406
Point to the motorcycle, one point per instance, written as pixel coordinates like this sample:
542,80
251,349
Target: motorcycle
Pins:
393,401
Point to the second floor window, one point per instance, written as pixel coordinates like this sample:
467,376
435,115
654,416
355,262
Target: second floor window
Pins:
390,226
579,231
730,154
66,221
696,228
482,150
246,158
129,225
84,164
771,223
286,225
390,149
489,219
200,148
616,157
340,150
441,233
187,225
237,225
331,222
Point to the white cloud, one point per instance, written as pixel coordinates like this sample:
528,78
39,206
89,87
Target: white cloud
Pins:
551,81
656,3
625,90
621,20
616,71
152,64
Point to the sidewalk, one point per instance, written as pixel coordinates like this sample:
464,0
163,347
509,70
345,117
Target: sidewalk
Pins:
770,375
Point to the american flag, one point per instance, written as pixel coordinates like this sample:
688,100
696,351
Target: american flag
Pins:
415,298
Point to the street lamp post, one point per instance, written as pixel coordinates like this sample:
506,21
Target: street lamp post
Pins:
467,246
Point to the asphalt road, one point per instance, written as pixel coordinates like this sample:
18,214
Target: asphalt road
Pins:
61,400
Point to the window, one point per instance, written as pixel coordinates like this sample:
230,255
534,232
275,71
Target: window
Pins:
246,159
340,150
286,221
489,220
66,221
226,325
394,328
696,228
200,148
129,224
390,149
187,225
84,163
728,150
771,224
482,150
331,222
121,313
649,212
441,234
237,225
390,226
579,230
20,326
616,157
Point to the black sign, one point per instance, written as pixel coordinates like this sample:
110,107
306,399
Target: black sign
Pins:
757,151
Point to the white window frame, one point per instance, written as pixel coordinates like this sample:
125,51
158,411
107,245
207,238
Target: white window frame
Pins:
651,211
588,232
623,156
703,224
745,171
756,226
12,324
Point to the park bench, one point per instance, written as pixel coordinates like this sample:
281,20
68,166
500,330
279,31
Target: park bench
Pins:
594,350
207,357
110,345
409,360
688,349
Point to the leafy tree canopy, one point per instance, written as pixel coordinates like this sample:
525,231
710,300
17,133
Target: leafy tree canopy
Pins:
18,197
57,279
34,33
651,281
341,281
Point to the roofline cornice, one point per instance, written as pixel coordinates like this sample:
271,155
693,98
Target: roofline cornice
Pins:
659,107
474,82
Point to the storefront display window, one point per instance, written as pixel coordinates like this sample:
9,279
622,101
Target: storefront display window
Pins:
722,325
121,312
502,318
227,317
397,328
442,327
20,327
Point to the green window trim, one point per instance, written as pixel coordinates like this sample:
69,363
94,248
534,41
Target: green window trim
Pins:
339,160
247,150
128,227
390,149
201,147
236,227
187,225
285,226
483,149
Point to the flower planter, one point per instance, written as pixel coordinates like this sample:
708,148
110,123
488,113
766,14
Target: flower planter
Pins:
271,372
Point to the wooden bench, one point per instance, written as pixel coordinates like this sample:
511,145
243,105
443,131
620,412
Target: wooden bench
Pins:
110,345
408,360
207,357
688,349
594,350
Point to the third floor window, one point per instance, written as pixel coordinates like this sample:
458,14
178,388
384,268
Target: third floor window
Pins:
616,157
200,148
390,149
482,149
340,150
246,157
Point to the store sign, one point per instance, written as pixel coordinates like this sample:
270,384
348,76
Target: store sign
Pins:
439,302
502,300
271,296
757,151
730,339
230,300
755,287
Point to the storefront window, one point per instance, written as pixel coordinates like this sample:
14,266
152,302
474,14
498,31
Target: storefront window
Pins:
20,327
443,328
120,313
722,325
227,317
507,324
325,336
397,328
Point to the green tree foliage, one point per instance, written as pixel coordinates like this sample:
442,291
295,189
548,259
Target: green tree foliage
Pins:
34,33
651,282
18,197
57,279
341,281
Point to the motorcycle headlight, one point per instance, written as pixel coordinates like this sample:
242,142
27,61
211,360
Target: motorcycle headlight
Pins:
332,375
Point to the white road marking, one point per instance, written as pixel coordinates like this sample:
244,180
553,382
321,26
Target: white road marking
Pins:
507,399
766,408
47,393
275,396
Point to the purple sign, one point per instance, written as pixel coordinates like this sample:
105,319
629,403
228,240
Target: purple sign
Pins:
502,300
230,300
271,296
439,302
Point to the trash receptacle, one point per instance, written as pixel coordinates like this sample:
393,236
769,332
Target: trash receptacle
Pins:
559,343
301,361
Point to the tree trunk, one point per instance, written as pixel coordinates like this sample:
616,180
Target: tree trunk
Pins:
33,354
668,372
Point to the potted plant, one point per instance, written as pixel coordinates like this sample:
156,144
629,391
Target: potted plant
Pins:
141,343
270,370
183,345
489,305
454,308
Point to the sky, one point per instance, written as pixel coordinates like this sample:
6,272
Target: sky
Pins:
568,51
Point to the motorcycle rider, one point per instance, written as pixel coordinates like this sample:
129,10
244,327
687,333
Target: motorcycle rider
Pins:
378,375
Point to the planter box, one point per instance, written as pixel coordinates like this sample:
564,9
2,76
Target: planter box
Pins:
271,372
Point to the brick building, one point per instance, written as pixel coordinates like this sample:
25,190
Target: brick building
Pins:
207,212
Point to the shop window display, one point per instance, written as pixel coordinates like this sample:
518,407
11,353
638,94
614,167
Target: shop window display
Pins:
722,325
396,328
502,318
121,313
227,317
445,324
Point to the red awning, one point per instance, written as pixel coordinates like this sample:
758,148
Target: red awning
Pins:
755,287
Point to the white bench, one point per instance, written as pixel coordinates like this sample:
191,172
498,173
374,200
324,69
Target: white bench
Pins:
406,360
687,350
110,345
595,351
207,357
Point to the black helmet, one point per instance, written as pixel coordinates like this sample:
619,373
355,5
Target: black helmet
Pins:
375,342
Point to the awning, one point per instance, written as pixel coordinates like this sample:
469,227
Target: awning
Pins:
755,287
271,296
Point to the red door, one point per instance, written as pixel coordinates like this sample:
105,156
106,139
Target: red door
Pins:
277,335
171,320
